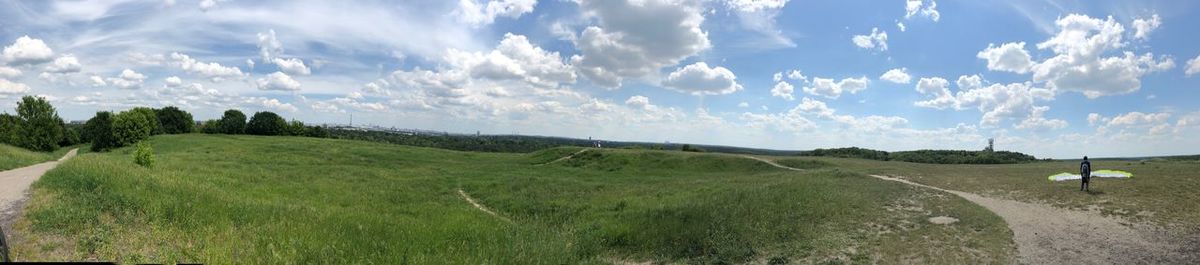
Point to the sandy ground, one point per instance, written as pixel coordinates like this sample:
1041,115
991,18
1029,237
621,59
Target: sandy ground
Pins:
14,186
560,159
772,163
1049,235
467,197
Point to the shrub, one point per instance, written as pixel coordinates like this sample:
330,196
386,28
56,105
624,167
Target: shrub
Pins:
151,117
267,123
41,128
10,129
99,131
70,137
175,120
296,128
144,155
233,122
210,127
129,127
690,148
316,131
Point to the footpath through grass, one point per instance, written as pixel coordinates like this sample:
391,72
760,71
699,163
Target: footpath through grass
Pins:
15,157
247,199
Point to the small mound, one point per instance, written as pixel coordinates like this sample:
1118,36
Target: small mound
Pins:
943,220
803,163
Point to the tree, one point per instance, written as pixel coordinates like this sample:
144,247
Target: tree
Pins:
175,121
151,117
41,128
316,131
10,129
296,128
70,136
99,131
233,122
210,127
267,123
129,127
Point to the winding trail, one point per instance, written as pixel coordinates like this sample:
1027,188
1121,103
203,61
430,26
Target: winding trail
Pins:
560,159
15,183
769,162
1048,235
471,200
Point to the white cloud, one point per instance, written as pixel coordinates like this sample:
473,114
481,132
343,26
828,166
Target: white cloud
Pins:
128,79
877,40
1193,66
939,88
778,76
173,81
1010,57
998,102
1138,119
796,75
913,7
473,12
1037,122
1143,27
515,59
637,38
213,71
744,104
274,104
900,26
65,64
12,88
277,81
292,66
699,79
98,81
639,102
1079,65
897,75
269,46
9,72
828,88
755,5
206,5
783,90
26,50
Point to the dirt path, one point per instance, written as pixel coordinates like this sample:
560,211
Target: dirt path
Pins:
480,206
1049,235
14,185
565,157
772,163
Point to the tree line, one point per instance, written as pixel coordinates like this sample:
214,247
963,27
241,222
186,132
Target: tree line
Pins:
927,156
37,126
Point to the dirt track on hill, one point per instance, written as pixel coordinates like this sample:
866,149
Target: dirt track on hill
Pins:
14,184
1048,235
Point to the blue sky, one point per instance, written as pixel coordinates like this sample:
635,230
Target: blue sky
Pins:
1050,78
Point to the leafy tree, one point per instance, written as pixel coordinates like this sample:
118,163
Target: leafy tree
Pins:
70,136
99,130
210,127
316,131
41,128
151,117
690,148
233,122
296,128
175,120
267,123
144,155
10,129
129,127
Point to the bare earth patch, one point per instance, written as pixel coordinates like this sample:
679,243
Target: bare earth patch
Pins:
943,220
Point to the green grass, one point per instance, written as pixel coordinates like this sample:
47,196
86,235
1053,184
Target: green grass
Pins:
15,157
1162,192
246,199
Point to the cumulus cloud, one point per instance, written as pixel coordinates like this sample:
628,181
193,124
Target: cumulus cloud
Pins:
474,12
635,38
913,8
128,79
26,50
12,88
783,90
213,71
269,46
755,5
1037,122
515,59
98,81
1142,27
897,75
1079,65
277,81
998,102
1010,57
876,40
173,81
638,102
9,72
1193,66
292,66
796,75
939,88
699,79
271,103
65,64
828,88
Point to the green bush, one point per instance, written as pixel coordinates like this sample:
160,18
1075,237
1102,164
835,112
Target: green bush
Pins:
70,136
690,148
41,128
175,120
316,131
233,122
267,123
296,128
151,117
129,127
99,131
10,129
210,127
144,155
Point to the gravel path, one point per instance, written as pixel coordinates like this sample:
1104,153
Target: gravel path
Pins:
14,186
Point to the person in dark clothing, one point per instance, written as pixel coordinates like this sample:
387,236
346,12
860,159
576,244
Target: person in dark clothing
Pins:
1085,173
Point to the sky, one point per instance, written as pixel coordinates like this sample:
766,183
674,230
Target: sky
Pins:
1059,79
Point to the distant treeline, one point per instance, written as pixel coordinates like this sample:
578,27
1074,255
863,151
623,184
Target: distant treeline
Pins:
522,143
927,156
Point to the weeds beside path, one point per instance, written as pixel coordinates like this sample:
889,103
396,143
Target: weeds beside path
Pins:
14,184
1048,235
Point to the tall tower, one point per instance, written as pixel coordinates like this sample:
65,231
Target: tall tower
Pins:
991,145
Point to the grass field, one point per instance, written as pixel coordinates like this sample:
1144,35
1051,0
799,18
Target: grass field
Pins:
1163,192
246,199
14,157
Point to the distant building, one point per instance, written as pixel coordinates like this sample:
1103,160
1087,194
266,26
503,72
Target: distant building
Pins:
991,147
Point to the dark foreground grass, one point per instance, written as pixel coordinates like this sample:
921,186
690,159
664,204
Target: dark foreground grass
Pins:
246,199
1162,192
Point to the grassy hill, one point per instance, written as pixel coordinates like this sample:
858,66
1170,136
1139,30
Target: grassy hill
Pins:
247,199
15,157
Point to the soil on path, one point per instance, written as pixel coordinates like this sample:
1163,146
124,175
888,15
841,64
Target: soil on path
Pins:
14,189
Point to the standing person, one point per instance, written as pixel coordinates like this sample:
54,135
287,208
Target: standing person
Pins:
1085,173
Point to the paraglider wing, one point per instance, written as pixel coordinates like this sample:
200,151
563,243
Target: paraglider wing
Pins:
1095,174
